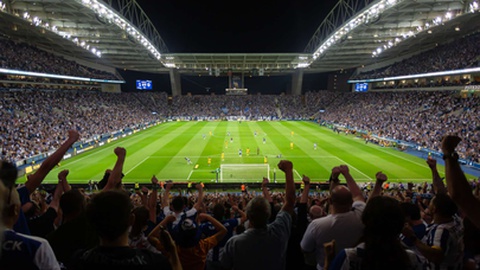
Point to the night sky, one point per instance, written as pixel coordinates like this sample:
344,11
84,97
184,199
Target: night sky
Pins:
234,27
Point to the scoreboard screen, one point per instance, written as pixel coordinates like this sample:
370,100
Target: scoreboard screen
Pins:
361,87
144,85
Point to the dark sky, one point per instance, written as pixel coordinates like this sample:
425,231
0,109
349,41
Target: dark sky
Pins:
261,26
234,27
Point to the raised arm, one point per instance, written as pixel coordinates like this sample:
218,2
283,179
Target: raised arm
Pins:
357,194
199,204
287,167
306,189
334,181
377,190
166,195
221,230
62,178
115,176
265,191
243,215
162,241
143,193
438,185
34,180
152,200
457,184
55,203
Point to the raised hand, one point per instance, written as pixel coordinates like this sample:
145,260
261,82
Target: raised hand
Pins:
381,177
73,135
265,181
344,169
120,152
305,179
63,175
285,165
449,143
154,180
432,163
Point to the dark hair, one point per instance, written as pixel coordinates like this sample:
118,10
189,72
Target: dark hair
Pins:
72,202
178,203
109,213
258,211
383,220
8,173
411,210
141,219
219,211
444,205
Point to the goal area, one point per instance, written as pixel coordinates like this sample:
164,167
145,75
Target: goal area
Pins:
244,172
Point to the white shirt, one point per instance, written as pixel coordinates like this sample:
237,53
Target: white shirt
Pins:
345,228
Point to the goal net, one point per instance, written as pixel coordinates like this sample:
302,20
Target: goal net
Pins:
244,172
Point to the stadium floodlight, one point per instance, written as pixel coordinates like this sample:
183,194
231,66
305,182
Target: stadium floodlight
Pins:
473,7
104,11
55,76
439,20
423,75
362,18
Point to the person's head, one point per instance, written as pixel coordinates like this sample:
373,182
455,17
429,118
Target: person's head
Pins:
72,203
11,205
383,217
383,221
316,212
258,212
188,234
218,211
178,203
109,213
410,211
8,173
141,219
341,198
443,206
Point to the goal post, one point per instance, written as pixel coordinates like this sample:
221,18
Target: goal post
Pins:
244,172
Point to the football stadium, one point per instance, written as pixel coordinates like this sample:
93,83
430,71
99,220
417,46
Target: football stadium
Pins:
161,137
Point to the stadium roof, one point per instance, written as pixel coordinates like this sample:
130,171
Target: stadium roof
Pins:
118,33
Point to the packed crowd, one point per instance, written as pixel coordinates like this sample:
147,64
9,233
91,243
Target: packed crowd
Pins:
32,121
414,116
435,225
459,54
36,60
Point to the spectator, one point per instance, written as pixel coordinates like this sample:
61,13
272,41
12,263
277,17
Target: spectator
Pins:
178,207
262,245
74,232
413,218
215,254
343,224
380,247
109,212
443,245
191,249
21,251
457,184
136,237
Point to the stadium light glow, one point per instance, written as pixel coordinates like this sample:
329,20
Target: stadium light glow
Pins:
38,22
439,20
111,16
54,76
362,18
423,75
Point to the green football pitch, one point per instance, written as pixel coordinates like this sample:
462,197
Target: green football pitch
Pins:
161,151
